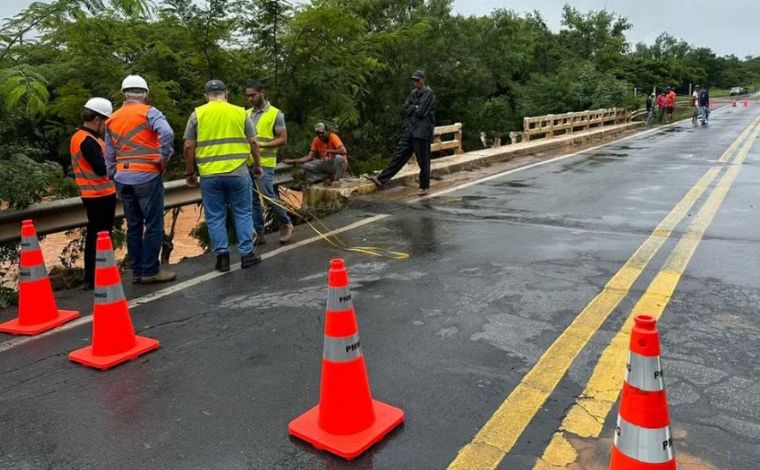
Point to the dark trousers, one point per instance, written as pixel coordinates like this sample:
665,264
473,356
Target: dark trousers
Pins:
404,149
100,211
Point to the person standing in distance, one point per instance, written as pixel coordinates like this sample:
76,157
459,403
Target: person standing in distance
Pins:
97,191
271,134
419,112
139,144
221,139
670,104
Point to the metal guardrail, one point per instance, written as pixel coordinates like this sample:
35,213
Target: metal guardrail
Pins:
67,214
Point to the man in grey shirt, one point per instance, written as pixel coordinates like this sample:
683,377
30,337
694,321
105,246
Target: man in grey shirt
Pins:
220,139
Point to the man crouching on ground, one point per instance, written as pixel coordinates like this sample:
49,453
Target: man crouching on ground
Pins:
330,153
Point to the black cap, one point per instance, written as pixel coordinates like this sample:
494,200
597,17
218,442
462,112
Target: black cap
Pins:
214,85
418,74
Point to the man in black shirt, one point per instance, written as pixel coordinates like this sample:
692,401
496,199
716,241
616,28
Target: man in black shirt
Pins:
97,191
419,111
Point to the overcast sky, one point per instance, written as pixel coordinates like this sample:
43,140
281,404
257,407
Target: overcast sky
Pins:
727,27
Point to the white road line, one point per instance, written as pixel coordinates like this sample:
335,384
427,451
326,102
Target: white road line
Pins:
159,294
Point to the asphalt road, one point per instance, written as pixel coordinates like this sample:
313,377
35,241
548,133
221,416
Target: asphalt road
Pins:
498,271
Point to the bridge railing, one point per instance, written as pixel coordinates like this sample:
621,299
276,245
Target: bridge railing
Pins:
66,214
454,142
553,125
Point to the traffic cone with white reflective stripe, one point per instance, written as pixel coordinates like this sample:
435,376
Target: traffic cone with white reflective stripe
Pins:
113,337
347,421
642,438
37,310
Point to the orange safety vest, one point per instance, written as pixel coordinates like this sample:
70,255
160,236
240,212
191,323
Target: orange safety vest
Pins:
89,184
135,143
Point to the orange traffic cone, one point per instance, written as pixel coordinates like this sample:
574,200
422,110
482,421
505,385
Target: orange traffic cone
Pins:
37,311
347,421
113,337
642,438
746,104
733,103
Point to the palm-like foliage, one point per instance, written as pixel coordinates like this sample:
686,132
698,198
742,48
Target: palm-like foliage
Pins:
25,90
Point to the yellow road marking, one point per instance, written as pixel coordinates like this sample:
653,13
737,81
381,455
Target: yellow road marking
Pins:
499,434
586,417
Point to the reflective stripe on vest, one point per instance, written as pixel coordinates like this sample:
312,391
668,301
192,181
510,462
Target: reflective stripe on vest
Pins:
136,145
221,145
339,299
343,349
644,372
89,183
644,444
265,133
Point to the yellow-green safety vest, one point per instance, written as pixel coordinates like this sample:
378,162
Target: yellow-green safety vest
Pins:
265,133
222,145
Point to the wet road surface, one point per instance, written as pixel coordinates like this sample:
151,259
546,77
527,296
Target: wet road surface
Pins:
498,271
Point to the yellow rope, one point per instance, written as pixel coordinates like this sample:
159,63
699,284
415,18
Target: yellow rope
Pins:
333,239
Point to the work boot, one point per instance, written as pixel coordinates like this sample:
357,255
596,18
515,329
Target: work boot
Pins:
286,233
246,261
223,262
161,276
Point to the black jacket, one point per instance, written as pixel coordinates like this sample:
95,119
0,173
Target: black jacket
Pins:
92,153
419,111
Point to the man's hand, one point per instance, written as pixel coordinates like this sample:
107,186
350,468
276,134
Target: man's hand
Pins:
289,161
191,181
258,172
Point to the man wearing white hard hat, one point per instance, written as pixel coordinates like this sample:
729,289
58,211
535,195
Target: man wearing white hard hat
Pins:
96,189
139,144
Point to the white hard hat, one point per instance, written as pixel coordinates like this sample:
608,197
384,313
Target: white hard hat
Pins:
100,105
134,81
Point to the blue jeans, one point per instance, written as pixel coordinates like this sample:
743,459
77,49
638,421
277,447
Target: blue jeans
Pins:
144,211
265,186
704,113
217,193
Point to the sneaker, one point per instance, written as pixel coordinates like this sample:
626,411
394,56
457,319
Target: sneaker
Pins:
422,192
223,262
259,240
249,260
286,233
161,276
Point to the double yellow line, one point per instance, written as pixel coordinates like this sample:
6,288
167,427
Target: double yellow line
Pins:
500,433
